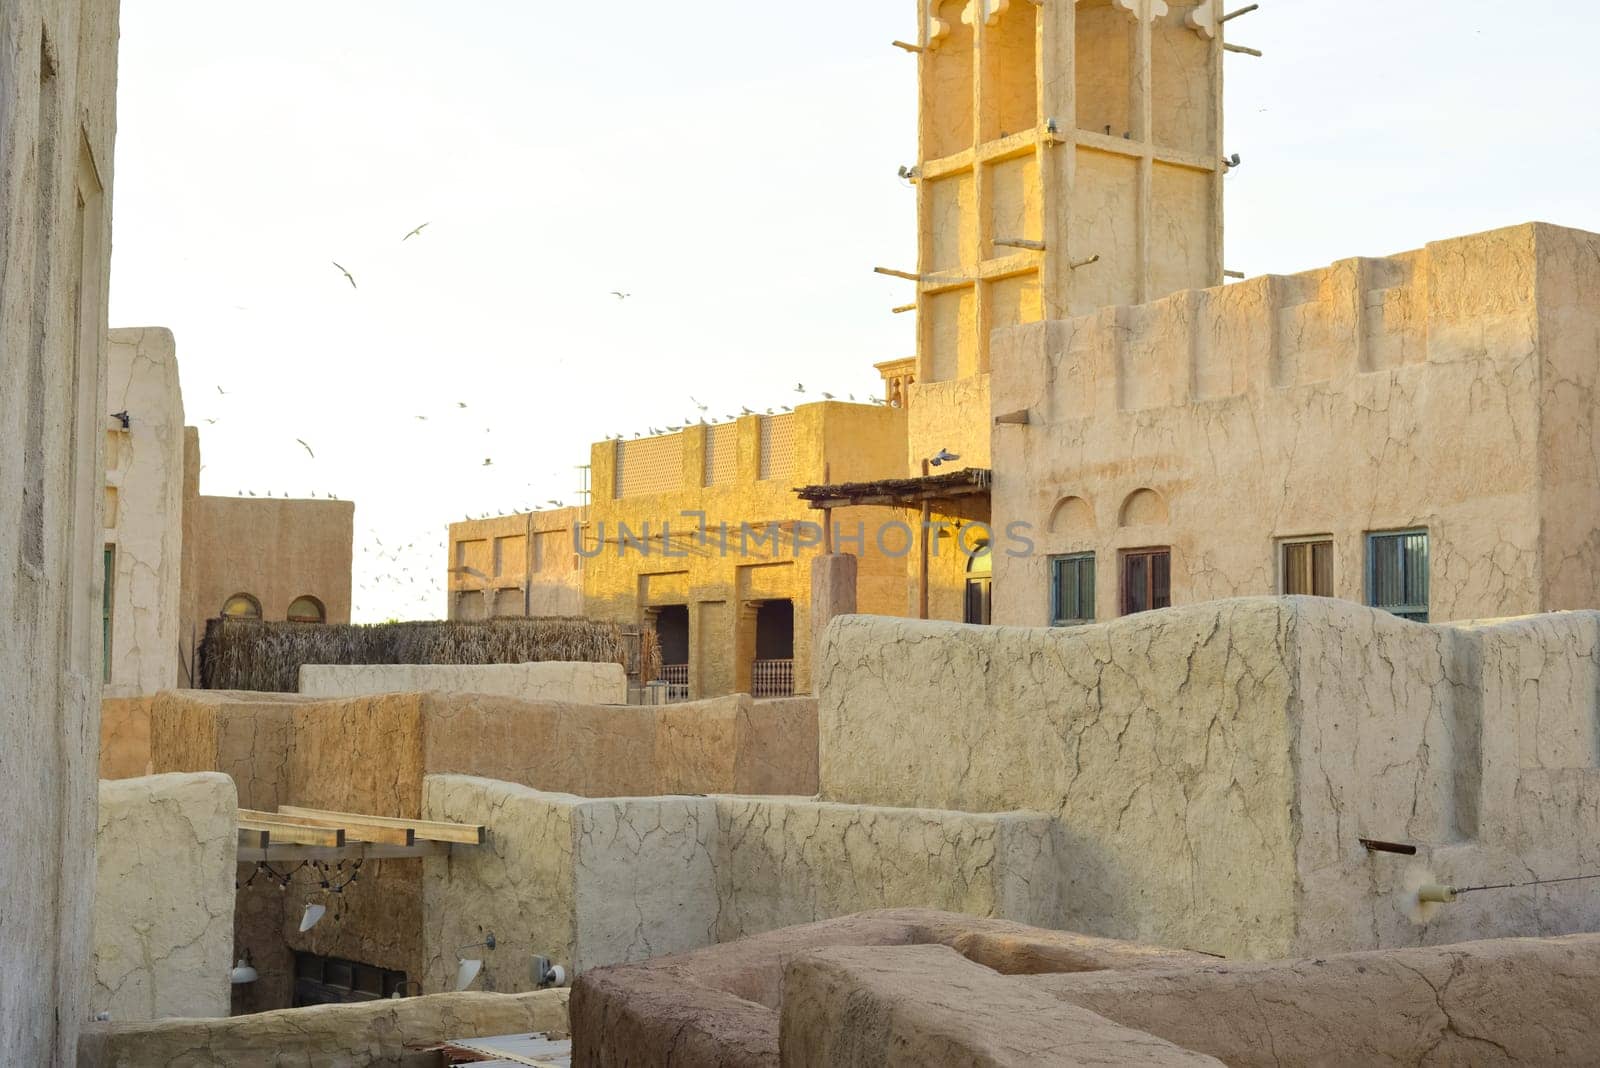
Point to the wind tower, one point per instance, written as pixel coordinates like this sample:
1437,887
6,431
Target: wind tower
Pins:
1070,157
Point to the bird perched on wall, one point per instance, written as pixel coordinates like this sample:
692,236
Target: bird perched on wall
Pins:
348,277
306,447
416,233
827,396
555,504
747,411
488,462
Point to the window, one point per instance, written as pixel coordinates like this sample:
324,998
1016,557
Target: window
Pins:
980,586
1397,573
1146,580
1072,590
105,611
241,606
307,610
1308,568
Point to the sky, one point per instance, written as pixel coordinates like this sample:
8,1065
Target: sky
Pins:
728,164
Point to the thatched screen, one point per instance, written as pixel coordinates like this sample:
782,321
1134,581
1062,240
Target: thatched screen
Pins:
243,654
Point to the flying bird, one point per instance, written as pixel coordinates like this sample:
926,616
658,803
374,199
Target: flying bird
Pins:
461,404
211,422
620,295
306,447
348,277
222,391
417,232
799,387
422,419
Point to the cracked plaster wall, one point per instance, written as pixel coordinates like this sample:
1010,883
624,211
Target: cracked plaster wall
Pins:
144,509
369,755
385,1032
163,908
1449,388
58,74
783,861
576,683
585,883
1213,767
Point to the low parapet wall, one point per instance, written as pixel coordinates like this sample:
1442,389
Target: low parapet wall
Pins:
573,683
1216,767
163,906
387,1032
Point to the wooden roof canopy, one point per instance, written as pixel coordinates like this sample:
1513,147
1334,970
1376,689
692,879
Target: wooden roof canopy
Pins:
296,833
900,492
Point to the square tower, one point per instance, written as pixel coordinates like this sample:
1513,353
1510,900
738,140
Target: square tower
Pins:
1070,157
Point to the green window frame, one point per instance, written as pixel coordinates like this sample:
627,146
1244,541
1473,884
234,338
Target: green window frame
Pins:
1072,590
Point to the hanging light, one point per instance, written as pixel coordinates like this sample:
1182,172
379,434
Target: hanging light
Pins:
313,915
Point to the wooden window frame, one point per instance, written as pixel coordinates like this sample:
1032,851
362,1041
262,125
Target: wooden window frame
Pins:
1124,590
1285,544
1056,562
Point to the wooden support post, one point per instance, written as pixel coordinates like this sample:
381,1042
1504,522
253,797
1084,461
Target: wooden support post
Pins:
1020,242
424,830
908,47
922,573
1075,264
1230,16
907,275
1231,47
902,309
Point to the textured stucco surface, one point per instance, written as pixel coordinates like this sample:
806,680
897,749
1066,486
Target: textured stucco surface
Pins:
719,1006
916,1005
125,737
1510,1001
351,1036
783,861
585,684
722,579
370,755
163,909
581,882
58,74
1214,767
1449,388
144,509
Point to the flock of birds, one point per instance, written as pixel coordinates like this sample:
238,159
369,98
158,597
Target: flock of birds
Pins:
396,576
703,420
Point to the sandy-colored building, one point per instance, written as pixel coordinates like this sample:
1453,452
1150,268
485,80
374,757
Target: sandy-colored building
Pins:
1409,432
58,66
175,559
250,558
143,513
729,595
523,565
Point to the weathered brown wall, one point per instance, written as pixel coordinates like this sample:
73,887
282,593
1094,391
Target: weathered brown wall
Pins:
125,737
370,754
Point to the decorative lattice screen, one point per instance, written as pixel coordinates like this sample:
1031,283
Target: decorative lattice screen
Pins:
651,465
722,454
777,446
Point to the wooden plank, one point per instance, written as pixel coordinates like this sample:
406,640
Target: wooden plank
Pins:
425,830
289,834
291,854
355,828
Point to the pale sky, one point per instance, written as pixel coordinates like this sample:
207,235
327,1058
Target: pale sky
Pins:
729,163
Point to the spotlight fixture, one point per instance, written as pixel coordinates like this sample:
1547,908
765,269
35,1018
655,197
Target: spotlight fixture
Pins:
544,974
467,969
313,916
243,972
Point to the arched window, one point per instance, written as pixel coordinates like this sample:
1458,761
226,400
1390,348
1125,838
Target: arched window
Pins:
307,610
241,606
980,580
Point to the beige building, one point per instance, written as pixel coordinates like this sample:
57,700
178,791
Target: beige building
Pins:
58,66
175,559
250,558
516,565
1408,432
143,513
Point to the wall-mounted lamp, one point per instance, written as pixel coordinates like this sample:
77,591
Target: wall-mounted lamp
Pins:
467,970
312,916
243,972
123,418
